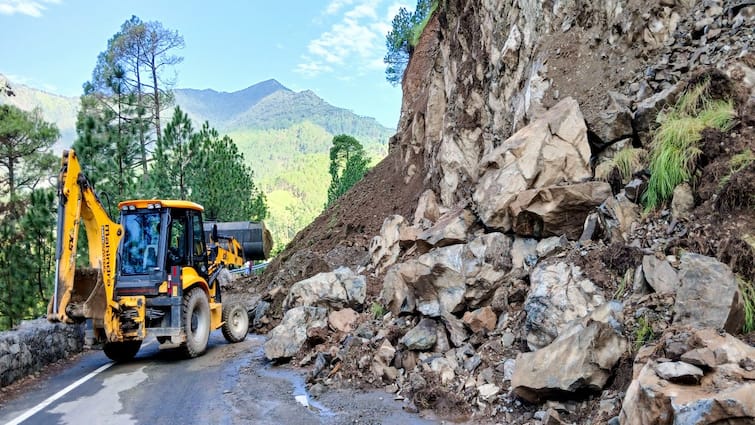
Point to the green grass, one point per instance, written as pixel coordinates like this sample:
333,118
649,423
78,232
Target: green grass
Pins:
644,332
748,296
377,310
737,163
417,30
628,161
621,290
675,146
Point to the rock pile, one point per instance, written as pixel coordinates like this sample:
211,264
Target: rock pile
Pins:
527,279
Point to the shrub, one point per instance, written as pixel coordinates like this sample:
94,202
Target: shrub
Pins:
644,332
675,146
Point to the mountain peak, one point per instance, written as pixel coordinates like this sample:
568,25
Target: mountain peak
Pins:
270,86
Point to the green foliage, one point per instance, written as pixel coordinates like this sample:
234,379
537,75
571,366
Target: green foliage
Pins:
644,332
737,163
205,168
348,164
403,37
675,145
291,166
224,183
25,144
377,310
175,159
747,289
629,160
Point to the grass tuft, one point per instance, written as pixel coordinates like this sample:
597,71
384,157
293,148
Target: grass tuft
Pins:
675,146
748,296
644,333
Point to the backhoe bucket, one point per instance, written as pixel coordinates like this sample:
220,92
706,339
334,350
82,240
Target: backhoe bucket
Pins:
253,237
86,300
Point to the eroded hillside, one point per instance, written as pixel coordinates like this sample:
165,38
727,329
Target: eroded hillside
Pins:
502,265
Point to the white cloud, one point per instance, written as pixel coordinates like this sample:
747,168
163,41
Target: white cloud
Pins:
354,43
336,5
25,7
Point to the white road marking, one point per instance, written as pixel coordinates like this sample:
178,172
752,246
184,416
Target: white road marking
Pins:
31,412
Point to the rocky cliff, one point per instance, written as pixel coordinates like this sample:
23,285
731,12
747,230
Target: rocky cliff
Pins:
498,266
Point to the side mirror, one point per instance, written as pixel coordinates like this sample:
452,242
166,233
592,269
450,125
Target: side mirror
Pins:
214,235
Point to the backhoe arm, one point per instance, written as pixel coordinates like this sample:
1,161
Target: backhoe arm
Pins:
82,293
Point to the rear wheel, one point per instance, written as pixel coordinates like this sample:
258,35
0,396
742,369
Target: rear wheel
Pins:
121,351
195,315
235,322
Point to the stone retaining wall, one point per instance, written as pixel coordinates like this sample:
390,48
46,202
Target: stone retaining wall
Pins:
35,344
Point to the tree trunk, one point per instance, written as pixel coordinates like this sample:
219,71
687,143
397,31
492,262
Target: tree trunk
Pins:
157,98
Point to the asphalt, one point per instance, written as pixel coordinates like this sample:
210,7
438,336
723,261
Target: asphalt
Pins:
229,384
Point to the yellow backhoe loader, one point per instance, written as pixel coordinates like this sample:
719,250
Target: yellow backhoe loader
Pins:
150,273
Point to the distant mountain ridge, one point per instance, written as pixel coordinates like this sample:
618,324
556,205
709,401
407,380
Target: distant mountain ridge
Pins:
284,135
271,105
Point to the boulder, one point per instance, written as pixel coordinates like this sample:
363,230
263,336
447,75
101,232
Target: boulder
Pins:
381,362
556,210
428,209
708,295
485,262
551,150
421,337
614,122
722,393
451,228
683,201
581,359
385,248
286,339
337,289
558,295
456,331
622,214
551,245
523,253
442,289
396,294
480,319
343,320
659,275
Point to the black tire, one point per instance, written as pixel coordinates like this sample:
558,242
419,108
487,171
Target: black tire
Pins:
235,322
195,316
121,351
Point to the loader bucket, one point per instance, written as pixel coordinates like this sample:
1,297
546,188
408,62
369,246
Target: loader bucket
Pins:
253,237
86,300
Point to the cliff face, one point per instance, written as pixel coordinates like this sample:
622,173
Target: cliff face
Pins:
486,68
506,271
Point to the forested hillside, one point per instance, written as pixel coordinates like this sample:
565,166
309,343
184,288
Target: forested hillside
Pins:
284,136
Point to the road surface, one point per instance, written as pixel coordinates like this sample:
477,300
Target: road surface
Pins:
230,384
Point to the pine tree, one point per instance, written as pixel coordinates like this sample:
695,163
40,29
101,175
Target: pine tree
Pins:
173,162
348,164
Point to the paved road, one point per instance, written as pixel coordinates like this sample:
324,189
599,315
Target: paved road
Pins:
230,384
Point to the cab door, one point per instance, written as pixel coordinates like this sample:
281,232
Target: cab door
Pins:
198,249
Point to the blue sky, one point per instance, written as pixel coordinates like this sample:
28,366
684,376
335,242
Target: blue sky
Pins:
333,47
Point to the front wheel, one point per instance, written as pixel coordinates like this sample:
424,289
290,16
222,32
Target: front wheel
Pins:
195,314
235,322
121,351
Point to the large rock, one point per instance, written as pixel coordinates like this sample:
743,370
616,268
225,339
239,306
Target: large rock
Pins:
659,275
551,150
725,394
448,278
338,289
480,319
286,339
428,209
708,295
581,359
385,248
559,294
556,210
421,337
615,120
451,228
